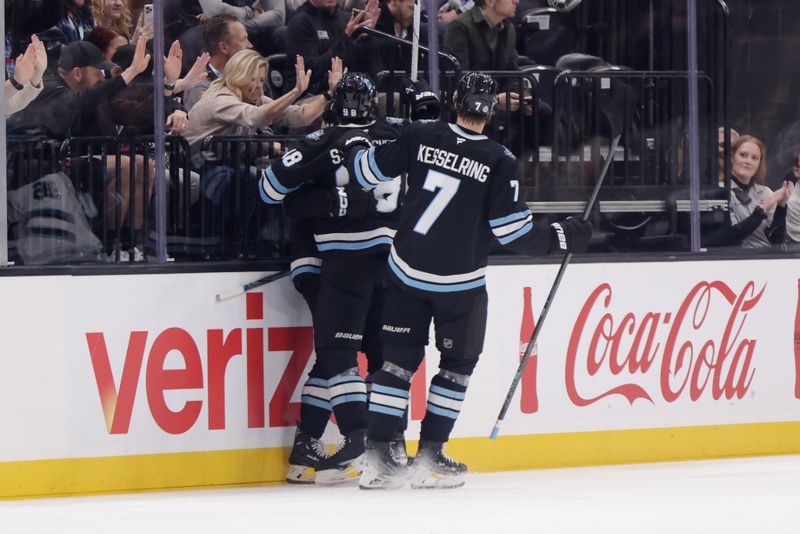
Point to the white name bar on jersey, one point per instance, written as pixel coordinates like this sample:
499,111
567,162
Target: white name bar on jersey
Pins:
453,162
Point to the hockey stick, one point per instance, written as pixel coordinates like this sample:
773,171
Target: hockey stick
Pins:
225,295
529,348
415,43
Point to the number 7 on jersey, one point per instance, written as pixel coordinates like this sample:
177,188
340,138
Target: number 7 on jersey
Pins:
445,188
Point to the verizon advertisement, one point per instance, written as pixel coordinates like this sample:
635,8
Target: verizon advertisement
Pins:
129,365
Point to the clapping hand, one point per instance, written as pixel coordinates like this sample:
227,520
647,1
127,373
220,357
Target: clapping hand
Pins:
173,64
335,74
196,74
303,76
25,66
41,60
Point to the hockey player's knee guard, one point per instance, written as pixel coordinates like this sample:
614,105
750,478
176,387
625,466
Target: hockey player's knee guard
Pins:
405,357
462,366
333,361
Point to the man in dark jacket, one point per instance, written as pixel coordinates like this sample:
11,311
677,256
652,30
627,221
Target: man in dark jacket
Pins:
320,31
483,39
397,18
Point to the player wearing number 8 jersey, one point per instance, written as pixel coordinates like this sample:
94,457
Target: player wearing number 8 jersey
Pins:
461,197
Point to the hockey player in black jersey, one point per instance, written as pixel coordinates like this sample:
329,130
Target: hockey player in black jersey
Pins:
352,231
461,196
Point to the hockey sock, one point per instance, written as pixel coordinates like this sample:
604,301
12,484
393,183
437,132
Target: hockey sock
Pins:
388,401
315,407
446,394
348,394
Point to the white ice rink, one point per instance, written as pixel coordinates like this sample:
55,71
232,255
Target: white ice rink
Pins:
750,495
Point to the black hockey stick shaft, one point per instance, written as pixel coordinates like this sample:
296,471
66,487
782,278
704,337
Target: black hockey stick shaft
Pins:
225,295
550,296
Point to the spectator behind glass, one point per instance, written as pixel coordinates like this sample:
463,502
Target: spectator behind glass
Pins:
757,214
223,36
483,38
71,105
26,84
793,209
396,18
116,14
264,20
78,22
108,40
235,103
320,31
132,108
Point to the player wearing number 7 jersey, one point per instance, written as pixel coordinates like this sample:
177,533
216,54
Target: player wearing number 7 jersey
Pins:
461,197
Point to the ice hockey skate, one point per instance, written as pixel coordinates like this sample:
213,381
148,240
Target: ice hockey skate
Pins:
382,469
306,454
345,464
398,449
431,468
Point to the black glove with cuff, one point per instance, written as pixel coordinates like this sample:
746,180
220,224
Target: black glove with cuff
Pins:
352,140
570,236
352,202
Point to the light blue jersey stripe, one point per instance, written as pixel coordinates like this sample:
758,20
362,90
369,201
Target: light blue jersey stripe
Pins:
436,288
509,218
449,393
351,397
307,269
441,411
386,410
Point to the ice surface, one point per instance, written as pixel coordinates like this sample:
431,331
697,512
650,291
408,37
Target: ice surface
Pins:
746,495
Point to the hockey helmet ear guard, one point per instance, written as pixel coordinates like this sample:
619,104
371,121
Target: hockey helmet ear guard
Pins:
355,98
476,94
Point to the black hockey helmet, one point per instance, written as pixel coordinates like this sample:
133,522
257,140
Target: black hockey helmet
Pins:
355,98
476,94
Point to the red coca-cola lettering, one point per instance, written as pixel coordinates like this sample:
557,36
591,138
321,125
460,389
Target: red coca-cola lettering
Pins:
723,363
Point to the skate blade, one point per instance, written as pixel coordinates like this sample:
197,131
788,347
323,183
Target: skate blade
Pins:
373,480
437,481
301,474
329,477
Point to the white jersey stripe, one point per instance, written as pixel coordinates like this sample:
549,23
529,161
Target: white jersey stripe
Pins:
388,400
355,236
436,278
444,402
510,228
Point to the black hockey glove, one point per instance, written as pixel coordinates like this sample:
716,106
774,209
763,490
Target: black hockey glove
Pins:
423,102
353,140
352,202
570,236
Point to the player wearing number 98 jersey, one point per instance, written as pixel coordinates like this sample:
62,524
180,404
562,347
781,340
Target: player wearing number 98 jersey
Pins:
352,230
461,197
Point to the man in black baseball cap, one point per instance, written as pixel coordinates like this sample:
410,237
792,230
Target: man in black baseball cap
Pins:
82,54
69,102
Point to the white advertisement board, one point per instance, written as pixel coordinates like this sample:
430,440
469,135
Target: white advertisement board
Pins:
129,365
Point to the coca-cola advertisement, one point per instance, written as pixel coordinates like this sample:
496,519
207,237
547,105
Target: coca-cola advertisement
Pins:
647,346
